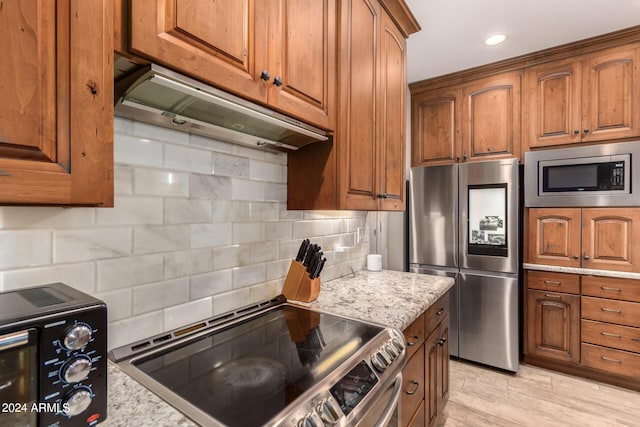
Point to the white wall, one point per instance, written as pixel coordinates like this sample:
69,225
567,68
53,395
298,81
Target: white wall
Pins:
199,227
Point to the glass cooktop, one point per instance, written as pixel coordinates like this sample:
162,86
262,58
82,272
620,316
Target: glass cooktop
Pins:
245,374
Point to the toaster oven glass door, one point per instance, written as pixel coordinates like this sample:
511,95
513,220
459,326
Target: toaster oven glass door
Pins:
18,378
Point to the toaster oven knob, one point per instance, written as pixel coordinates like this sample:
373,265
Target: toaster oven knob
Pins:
329,412
77,337
77,402
77,369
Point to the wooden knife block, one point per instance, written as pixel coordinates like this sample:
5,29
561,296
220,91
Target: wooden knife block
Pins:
298,286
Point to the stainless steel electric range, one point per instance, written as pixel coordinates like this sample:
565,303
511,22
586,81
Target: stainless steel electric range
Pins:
274,364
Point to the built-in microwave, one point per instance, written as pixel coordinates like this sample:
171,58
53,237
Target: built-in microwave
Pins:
595,175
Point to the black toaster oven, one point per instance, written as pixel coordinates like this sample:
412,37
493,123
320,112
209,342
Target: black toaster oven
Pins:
53,367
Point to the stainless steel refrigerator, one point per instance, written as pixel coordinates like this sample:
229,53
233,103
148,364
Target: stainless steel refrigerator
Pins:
463,222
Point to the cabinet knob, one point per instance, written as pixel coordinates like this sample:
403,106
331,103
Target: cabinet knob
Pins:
586,257
264,75
277,81
586,130
442,341
457,158
577,131
576,257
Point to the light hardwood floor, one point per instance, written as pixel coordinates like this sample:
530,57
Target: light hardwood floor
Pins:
534,397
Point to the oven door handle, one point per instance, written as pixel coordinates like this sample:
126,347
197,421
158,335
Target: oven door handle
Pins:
16,339
393,403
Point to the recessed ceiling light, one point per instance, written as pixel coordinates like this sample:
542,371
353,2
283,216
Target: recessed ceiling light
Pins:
495,39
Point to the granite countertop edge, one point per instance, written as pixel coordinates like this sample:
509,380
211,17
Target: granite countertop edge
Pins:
583,271
387,297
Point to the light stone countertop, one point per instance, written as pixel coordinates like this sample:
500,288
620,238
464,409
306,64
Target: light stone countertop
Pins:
389,297
585,271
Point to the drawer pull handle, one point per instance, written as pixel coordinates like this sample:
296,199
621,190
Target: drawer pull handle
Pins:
610,310
552,296
439,312
635,339
414,342
552,282
606,359
606,288
607,334
415,389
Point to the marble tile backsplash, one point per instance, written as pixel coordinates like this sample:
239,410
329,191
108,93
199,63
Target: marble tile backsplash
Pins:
199,227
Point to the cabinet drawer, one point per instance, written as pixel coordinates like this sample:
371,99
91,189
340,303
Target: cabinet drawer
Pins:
609,287
554,282
611,311
614,361
436,313
608,335
414,335
418,418
412,386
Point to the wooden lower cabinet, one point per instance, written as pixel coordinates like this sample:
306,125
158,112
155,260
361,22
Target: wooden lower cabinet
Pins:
425,381
593,333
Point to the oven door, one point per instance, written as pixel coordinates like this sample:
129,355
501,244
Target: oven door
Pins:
381,410
18,378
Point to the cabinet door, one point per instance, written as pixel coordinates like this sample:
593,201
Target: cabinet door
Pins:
56,71
611,100
436,123
491,118
554,236
553,325
611,239
392,123
443,365
302,60
360,87
553,100
413,387
431,351
219,42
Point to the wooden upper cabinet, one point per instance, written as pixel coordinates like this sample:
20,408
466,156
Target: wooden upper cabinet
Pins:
611,239
276,52
611,100
392,122
589,98
491,117
56,132
554,236
553,97
436,127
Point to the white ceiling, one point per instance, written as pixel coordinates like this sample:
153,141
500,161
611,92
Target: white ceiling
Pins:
453,31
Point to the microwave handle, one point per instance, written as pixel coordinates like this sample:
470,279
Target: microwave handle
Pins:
16,339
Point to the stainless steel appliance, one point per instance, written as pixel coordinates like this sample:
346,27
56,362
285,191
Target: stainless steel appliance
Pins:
464,223
273,364
595,175
53,345
156,95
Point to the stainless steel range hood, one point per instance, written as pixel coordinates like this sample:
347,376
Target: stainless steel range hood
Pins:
165,98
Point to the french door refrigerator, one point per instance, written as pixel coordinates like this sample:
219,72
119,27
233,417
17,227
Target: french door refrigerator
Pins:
464,223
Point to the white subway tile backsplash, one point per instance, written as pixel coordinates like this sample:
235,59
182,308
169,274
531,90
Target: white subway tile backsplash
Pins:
247,232
187,159
187,263
160,238
125,272
160,182
91,244
186,211
248,275
184,314
131,210
199,227
160,295
81,276
118,303
204,285
24,248
211,187
134,328
243,189
130,150
44,217
231,256
210,235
